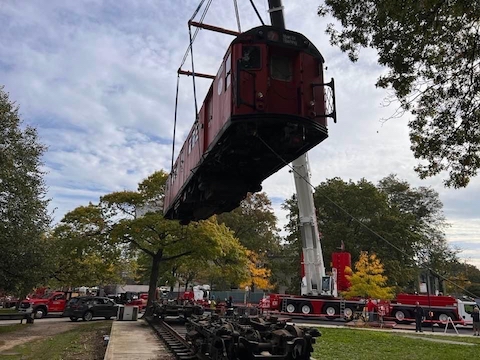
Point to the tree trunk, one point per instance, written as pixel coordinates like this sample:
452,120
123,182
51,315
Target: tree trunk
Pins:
152,284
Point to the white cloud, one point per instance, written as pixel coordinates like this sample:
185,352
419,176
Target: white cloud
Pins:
97,78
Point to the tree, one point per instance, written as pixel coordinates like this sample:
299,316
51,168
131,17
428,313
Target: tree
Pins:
466,276
254,223
23,204
83,252
368,280
424,205
136,222
258,275
432,53
391,220
219,270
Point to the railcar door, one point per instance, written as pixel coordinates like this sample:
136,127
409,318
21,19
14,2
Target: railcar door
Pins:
249,67
284,89
208,121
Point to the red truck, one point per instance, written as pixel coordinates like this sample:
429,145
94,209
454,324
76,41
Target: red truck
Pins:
48,303
140,301
441,307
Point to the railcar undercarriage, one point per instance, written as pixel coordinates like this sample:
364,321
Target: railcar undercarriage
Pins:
246,153
258,337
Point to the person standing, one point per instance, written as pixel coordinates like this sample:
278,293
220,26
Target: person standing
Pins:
476,321
371,309
419,314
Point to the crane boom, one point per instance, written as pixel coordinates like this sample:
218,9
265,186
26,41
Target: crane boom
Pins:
314,268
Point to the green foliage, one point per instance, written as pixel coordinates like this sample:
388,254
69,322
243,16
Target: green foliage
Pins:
474,290
254,223
401,224
368,280
23,206
431,51
83,252
136,222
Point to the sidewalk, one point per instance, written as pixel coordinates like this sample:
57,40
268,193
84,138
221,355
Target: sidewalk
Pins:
133,340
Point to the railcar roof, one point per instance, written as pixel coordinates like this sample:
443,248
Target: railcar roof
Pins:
287,38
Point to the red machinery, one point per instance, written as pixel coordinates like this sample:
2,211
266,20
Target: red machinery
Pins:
265,107
324,300
48,303
441,307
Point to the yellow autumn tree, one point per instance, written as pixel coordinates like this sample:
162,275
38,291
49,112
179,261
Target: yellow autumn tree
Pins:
368,279
258,275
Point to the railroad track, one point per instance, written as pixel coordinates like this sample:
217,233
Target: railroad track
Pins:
173,335
229,338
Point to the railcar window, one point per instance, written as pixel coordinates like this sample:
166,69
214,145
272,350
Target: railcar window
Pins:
210,111
281,68
190,144
195,134
174,177
220,80
251,57
228,71
193,139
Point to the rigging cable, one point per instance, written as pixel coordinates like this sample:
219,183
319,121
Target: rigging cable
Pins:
237,15
183,62
191,54
175,122
193,74
197,29
357,220
256,11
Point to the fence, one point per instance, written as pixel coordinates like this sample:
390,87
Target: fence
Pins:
238,296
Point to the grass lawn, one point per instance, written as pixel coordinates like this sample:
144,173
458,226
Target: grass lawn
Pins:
345,344
83,342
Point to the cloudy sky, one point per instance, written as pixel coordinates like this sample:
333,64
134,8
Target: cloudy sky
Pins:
97,79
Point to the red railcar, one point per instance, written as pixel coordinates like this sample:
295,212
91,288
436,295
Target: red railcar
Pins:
267,105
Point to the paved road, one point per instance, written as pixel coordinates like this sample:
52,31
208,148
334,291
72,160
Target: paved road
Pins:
48,320
52,319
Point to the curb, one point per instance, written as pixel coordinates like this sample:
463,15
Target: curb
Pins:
109,347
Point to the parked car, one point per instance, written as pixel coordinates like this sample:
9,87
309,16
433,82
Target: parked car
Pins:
88,307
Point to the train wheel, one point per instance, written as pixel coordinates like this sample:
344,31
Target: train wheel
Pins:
306,308
332,311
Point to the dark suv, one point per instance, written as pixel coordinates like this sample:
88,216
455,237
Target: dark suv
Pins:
88,307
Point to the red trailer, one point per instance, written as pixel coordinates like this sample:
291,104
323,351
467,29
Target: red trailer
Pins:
441,308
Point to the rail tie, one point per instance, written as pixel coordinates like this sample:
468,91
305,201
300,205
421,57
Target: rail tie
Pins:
173,340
